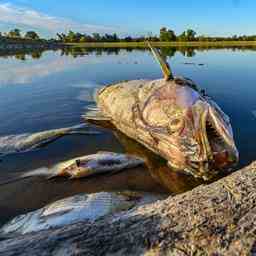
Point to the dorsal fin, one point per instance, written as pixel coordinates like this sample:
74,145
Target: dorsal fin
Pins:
164,65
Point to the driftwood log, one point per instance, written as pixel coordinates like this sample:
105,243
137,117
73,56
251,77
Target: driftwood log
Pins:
215,219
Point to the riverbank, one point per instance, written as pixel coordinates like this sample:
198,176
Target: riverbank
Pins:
27,45
20,49
215,219
165,44
12,46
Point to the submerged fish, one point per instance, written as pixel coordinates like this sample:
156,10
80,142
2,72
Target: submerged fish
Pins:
174,119
84,167
25,142
102,162
82,207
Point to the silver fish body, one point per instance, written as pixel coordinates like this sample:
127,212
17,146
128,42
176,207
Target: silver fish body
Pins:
29,141
82,207
100,163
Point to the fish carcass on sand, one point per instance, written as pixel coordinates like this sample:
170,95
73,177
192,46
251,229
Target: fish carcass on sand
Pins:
102,162
174,119
82,207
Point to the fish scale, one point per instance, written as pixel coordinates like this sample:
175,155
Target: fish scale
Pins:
81,207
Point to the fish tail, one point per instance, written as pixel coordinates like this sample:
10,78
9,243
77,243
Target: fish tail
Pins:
56,173
83,133
79,126
52,176
38,172
34,173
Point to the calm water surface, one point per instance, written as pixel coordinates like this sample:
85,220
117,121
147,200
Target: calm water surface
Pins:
51,90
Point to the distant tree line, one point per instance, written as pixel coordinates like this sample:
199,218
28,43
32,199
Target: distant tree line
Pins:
72,37
16,33
165,35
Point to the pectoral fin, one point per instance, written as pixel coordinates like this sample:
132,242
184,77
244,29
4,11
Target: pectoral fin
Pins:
163,63
95,116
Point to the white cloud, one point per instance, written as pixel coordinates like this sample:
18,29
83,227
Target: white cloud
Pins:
12,14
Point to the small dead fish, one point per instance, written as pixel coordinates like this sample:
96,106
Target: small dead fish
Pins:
82,207
99,163
86,166
25,142
68,211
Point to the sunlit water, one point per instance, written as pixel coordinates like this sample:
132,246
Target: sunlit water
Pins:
53,89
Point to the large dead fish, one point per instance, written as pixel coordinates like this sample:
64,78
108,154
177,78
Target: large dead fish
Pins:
174,119
82,207
29,141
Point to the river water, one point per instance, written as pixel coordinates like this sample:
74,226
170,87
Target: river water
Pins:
53,89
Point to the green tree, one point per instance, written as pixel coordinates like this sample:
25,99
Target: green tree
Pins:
82,39
202,38
15,33
96,37
32,35
183,37
167,35
188,35
115,38
71,37
191,34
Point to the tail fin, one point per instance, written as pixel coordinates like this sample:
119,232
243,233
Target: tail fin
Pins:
164,65
38,172
83,133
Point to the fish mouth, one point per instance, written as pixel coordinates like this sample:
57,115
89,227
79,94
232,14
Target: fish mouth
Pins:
217,150
219,143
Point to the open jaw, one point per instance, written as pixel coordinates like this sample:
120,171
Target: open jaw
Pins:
220,142
217,148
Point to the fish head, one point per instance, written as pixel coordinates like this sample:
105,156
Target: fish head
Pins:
189,129
80,168
98,163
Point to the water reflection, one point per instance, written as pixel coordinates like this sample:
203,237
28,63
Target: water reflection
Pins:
166,51
76,52
23,54
42,90
173,182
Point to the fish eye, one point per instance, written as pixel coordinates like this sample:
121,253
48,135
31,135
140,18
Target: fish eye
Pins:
175,125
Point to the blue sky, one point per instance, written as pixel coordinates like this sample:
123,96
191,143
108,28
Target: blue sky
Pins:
135,17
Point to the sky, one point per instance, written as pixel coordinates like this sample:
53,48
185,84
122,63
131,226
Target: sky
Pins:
131,17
